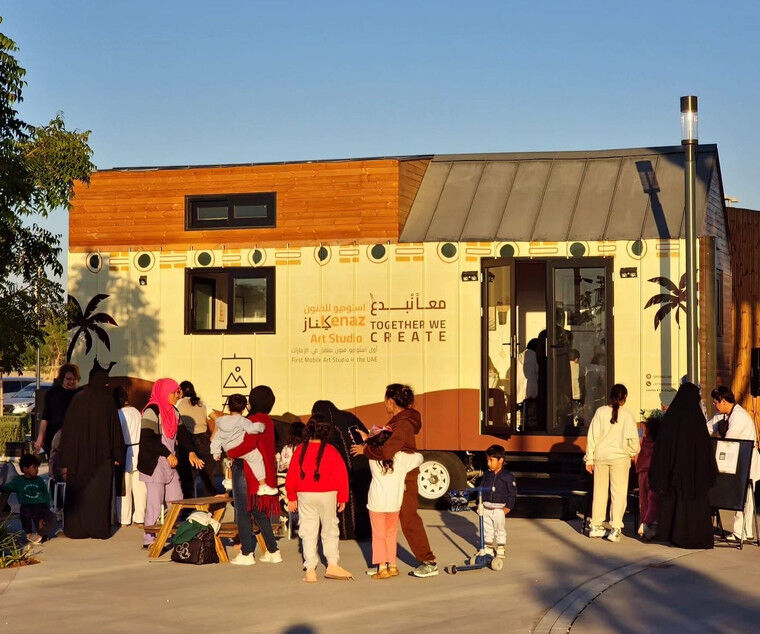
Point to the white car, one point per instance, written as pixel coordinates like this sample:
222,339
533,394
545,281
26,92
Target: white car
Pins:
13,384
23,401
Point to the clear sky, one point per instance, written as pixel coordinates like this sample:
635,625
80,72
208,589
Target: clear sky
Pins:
197,82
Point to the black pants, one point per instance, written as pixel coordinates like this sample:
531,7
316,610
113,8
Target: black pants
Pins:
31,514
210,468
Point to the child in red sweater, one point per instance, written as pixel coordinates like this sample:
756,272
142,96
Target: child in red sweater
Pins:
649,501
317,486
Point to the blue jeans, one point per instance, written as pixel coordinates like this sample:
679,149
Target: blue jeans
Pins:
243,516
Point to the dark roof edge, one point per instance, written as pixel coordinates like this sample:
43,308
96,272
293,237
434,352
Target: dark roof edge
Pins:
572,154
149,168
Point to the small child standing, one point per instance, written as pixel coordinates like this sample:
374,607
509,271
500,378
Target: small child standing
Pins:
37,520
649,501
498,501
317,486
386,492
295,438
229,433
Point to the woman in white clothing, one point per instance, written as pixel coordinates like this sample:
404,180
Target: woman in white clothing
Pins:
613,440
130,505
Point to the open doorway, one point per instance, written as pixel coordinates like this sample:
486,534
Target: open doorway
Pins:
546,345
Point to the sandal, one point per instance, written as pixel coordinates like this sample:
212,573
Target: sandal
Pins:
336,572
393,571
310,576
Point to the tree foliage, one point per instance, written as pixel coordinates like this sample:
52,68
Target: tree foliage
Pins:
38,168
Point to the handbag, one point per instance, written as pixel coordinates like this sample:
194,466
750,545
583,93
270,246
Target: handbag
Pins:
200,550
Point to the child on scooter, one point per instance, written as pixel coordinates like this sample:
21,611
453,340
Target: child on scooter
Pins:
498,500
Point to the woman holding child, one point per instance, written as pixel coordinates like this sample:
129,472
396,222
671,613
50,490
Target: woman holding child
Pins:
249,503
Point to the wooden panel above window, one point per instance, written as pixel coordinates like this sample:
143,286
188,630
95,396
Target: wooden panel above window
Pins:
330,201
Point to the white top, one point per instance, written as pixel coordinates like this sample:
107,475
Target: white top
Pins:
387,489
130,419
606,441
230,431
740,427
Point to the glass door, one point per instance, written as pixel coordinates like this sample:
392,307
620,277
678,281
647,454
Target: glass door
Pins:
579,342
498,346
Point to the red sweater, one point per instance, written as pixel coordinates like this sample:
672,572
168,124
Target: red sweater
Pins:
333,475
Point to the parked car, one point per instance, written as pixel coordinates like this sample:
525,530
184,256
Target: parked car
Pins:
12,384
23,401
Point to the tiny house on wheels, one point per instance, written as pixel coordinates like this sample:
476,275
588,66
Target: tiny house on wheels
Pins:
509,290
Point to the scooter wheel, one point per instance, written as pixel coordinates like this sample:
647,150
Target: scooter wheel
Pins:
497,564
453,570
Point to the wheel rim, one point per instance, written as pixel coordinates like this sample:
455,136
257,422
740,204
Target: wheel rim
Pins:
434,480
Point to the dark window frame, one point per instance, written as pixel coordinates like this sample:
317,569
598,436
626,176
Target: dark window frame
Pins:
267,199
231,274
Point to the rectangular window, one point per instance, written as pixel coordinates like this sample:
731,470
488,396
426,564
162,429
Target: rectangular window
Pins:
719,302
230,300
230,211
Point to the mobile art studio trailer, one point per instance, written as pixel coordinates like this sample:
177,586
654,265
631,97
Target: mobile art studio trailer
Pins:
510,290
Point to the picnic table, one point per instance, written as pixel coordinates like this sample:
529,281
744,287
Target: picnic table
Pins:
216,505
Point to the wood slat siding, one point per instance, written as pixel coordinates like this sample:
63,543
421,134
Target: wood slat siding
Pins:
335,202
410,177
744,227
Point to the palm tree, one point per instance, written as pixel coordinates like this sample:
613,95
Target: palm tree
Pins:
674,299
88,323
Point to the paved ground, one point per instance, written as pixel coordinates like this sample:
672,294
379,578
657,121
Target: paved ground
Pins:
554,579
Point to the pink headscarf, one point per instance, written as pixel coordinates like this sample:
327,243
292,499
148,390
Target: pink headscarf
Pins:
159,396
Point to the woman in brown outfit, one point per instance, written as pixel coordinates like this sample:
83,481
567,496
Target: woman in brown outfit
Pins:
405,424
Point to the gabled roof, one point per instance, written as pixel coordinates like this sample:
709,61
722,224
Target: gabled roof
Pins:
554,196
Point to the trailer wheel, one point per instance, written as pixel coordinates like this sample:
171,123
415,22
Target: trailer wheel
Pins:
439,473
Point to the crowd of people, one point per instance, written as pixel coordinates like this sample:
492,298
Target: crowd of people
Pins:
344,481
675,464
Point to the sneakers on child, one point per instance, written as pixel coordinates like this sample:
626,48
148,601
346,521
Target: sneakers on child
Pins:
34,538
426,569
271,558
596,531
614,535
265,489
500,552
243,560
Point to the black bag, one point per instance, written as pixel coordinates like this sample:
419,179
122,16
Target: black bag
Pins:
201,549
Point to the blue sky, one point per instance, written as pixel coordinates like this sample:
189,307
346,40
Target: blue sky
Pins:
177,83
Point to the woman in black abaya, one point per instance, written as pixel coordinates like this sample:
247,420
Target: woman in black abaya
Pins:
682,471
354,521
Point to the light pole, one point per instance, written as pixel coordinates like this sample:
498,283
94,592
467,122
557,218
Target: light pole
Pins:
689,140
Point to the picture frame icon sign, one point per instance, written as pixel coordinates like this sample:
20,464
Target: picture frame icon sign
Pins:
236,375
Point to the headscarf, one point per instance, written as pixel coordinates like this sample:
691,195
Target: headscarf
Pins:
683,462
261,399
159,396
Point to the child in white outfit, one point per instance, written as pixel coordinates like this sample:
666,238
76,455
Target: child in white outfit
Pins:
230,432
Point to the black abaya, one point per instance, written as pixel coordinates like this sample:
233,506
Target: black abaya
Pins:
91,444
682,471
354,521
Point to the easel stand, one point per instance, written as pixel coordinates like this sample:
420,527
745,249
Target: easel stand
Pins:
750,490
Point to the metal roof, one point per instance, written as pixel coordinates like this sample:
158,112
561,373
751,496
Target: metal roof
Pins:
553,196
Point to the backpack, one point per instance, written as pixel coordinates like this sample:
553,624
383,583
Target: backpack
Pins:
200,550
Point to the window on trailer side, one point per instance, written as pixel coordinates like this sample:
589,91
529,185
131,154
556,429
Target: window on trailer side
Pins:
230,300
231,211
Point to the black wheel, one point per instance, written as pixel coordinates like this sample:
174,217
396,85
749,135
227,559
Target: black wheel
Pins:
440,472
453,570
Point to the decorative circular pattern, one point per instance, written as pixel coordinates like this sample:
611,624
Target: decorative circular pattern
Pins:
258,256
637,249
377,253
204,258
322,255
448,252
144,261
507,251
577,249
94,262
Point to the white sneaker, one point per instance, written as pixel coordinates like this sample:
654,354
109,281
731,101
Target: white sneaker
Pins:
265,489
500,552
596,531
243,560
271,558
227,484
34,538
614,535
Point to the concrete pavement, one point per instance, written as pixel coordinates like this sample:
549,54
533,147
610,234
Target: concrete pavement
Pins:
554,579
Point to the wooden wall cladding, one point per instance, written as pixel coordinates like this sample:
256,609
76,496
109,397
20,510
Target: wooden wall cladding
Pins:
744,228
336,202
410,177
